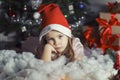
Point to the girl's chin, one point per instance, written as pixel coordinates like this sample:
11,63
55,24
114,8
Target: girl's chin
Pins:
60,52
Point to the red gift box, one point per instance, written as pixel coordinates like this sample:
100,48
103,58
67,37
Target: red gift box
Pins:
107,16
109,27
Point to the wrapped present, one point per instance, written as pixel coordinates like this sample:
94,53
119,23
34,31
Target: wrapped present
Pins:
116,32
107,16
114,7
116,40
89,34
115,29
109,28
113,20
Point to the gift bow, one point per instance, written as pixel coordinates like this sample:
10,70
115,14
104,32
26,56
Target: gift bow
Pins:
106,32
111,5
88,36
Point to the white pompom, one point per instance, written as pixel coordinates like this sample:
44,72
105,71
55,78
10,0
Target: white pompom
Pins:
36,15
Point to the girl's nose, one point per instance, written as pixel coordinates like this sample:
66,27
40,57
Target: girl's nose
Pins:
56,42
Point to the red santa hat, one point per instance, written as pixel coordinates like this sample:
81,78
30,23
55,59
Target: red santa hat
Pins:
53,19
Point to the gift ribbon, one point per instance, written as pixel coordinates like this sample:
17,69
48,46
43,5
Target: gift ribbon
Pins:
106,32
106,37
111,5
111,40
88,36
113,20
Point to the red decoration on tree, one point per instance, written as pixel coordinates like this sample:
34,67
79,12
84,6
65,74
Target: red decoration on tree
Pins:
11,13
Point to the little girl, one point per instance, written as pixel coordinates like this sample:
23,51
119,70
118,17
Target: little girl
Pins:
55,37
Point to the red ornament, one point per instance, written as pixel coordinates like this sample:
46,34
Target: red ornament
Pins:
11,13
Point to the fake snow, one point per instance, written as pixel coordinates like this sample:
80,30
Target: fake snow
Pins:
24,66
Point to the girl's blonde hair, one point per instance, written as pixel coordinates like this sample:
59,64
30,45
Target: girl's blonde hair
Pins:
69,55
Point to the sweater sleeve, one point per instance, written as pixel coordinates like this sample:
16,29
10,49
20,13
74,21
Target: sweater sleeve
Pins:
77,48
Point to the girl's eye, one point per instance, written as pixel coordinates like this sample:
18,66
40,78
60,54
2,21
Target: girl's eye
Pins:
60,36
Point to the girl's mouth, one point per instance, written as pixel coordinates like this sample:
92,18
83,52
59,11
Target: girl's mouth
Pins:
57,48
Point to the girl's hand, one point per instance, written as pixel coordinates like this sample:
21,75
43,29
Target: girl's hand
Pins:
47,52
50,48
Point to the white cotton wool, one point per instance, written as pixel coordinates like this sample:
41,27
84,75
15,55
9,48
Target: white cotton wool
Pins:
76,74
23,59
17,78
53,65
35,75
20,63
25,66
2,75
97,75
7,53
56,74
9,67
27,56
35,64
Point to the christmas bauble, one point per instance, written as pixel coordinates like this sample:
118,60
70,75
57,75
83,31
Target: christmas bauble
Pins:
36,15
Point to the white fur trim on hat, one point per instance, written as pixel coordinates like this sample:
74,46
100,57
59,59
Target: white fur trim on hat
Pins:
56,27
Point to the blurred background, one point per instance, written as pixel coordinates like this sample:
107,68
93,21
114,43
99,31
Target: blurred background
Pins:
19,19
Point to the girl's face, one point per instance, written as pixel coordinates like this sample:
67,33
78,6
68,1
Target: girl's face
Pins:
58,40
